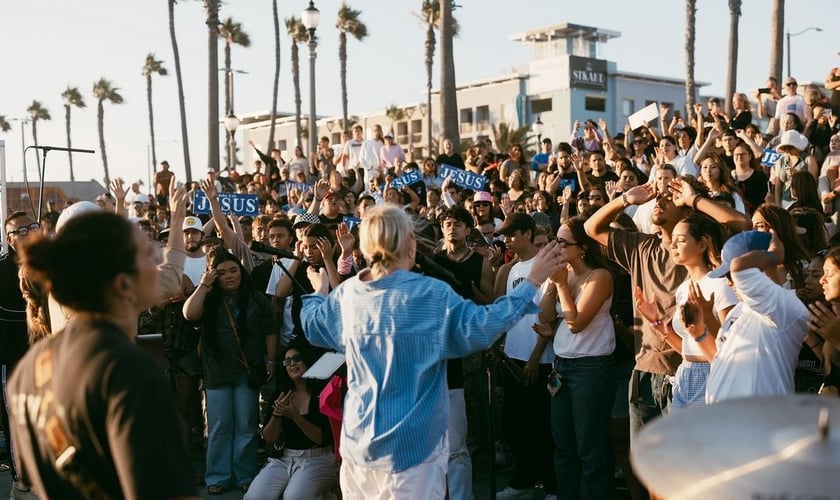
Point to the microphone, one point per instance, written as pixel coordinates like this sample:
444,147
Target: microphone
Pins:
262,247
56,148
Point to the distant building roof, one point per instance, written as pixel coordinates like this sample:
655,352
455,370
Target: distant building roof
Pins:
565,30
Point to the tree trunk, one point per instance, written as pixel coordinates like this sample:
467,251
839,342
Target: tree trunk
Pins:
151,120
732,66
212,7
430,61
342,58
448,94
228,99
777,27
100,125
690,87
273,115
69,144
185,143
296,85
35,142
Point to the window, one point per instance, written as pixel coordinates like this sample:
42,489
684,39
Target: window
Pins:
595,104
482,117
466,120
416,130
628,107
336,138
281,145
402,133
540,105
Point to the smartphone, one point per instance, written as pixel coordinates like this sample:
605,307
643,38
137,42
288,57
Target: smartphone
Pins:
688,315
764,90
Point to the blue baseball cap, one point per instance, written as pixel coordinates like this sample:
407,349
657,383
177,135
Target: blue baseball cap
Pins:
739,245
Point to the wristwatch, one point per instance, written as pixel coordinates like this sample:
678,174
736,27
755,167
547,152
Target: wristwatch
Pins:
624,200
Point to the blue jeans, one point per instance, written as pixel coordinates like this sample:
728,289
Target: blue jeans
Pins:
650,397
580,424
231,434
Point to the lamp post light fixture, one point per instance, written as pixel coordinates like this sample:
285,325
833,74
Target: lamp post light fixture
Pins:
231,124
310,17
787,37
537,129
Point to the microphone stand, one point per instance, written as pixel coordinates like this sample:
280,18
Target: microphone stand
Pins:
42,173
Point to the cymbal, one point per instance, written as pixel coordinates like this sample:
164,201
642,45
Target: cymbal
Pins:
755,448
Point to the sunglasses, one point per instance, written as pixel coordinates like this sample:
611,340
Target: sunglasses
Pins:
481,203
24,230
567,243
294,358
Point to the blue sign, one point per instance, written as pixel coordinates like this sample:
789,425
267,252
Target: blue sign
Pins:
463,178
351,222
406,179
231,203
769,157
302,187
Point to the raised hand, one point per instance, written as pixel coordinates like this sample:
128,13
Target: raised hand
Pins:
319,278
322,187
117,187
208,185
345,238
640,194
824,319
610,187
647,308
602,124
208,277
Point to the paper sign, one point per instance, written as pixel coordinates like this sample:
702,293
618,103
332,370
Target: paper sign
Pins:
647,114
231,203
769,157
325,366
463,178
351,222
406,179
302,187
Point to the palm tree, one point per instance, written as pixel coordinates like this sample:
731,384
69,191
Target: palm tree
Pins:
395,114
72,97
274,89
504,136
150,67
37,112
231,32
103,91
347,22
690,27
298,33
211,8
732,67
430,16
448,95
5,126
777,26
177,58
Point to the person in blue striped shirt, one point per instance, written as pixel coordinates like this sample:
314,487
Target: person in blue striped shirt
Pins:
397,329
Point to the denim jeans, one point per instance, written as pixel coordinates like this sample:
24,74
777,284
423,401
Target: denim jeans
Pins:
580,424
231,434
650,397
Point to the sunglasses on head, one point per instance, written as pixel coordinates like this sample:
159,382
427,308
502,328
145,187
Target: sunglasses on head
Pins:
294,358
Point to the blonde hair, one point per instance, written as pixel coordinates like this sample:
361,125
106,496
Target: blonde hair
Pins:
740,96
383,237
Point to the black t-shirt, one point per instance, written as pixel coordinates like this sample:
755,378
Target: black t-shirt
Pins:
753,190
13,337
293,437
454,160
118,413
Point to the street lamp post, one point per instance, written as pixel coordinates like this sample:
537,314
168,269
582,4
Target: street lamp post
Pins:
537,129
310,18
231,124
788,35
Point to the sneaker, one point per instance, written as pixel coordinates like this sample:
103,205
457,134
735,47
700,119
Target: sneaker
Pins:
512,493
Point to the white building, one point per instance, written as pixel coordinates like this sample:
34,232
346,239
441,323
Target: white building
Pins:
563,81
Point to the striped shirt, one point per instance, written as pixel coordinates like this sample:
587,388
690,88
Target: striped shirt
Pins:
397,333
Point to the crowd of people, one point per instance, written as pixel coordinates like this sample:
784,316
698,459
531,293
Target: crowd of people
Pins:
602,282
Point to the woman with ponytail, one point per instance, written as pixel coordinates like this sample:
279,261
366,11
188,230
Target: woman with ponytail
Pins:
397,330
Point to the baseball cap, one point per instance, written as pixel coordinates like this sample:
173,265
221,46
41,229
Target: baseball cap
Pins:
517,221
389,134
305,218
192,222
483,196
790,80
737,246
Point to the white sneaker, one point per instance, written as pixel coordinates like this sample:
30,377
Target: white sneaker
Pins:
512,493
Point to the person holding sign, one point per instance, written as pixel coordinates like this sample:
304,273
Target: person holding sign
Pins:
396,411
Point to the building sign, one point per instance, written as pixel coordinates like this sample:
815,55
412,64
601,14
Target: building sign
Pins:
585,73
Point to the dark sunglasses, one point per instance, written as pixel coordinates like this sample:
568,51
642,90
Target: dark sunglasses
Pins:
24,230
294,358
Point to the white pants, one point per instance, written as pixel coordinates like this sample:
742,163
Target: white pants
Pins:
300,474
460,465
421,482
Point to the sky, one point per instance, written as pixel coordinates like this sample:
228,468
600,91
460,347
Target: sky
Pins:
49,45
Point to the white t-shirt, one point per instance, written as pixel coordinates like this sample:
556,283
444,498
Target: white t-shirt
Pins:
521,339
194,267
791,104
597,339
724,298
759,342
643,216
288,324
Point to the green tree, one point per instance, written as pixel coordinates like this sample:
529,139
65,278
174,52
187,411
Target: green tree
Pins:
176,55
448,94
150,67
4,124
211,8
505,136
103,91
72,97
348,22
395,114
37,112
298,33
232,33
274,88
